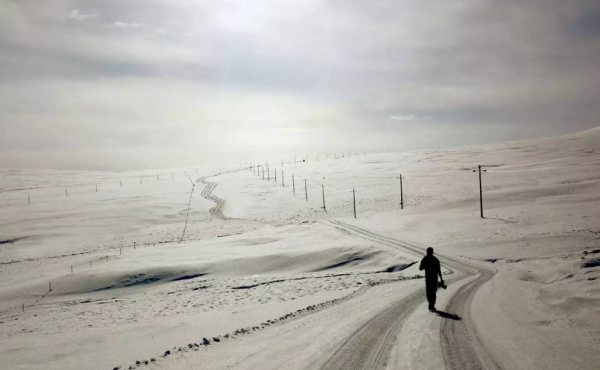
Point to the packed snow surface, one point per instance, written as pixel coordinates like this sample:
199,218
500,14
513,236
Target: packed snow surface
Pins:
222,269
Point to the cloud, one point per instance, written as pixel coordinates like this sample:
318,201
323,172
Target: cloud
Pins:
120,24
409,117
334,70
79,17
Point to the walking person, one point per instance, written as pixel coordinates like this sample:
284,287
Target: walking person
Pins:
432,268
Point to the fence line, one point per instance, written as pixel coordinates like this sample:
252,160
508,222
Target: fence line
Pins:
187,215
423,175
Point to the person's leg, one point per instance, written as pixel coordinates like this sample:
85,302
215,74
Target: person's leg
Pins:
432,300
431,297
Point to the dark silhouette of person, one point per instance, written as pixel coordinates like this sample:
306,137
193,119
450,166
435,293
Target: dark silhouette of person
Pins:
432,268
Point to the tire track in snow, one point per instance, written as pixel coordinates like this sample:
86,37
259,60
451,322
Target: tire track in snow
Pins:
369,346
461,345
217,209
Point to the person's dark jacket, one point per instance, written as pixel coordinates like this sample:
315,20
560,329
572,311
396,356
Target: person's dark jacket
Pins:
432,268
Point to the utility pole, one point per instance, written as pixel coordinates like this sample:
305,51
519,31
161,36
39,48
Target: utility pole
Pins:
323,187
480,190
293,185
401,193
354,201
480,193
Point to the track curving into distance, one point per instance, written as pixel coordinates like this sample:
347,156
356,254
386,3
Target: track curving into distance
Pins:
217,209
370,345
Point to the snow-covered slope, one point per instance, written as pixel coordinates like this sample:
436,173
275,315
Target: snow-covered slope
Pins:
136,291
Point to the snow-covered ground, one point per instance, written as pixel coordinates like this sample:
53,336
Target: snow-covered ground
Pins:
278,282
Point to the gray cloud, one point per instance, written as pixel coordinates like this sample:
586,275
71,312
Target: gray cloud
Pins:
238,77
78,16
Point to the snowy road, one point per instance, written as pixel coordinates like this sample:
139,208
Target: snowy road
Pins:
217,210
369,347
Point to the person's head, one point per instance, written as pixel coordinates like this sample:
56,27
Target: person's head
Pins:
430,251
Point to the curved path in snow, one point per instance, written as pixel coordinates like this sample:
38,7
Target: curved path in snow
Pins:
370,346
217,210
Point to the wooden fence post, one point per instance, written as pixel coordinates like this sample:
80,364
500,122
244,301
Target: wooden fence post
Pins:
354,201
305,190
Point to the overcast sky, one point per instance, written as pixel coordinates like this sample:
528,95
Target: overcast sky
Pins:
130,84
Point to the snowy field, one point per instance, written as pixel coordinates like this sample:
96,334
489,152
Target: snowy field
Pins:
97,273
